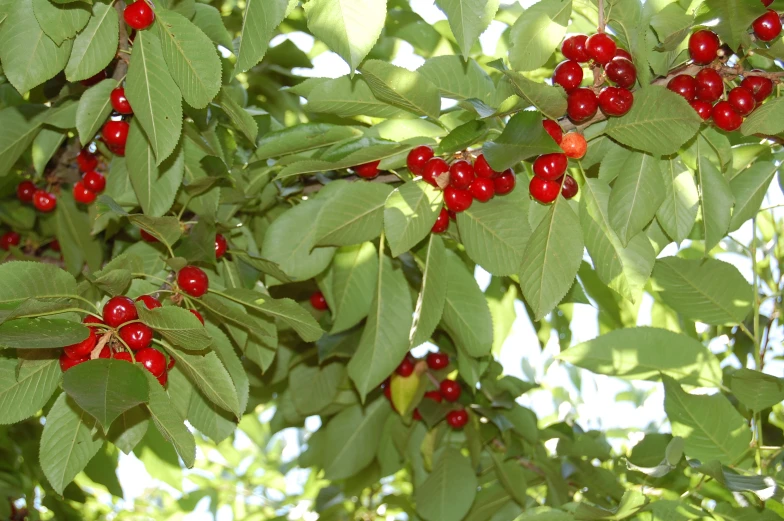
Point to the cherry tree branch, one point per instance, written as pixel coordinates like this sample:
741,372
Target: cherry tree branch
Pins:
123,46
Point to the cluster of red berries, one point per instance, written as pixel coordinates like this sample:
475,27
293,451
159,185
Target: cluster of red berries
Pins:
43,200
550,178
221,245
92,183
601,51
115,132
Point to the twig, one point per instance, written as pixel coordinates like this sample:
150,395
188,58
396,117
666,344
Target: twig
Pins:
123,46
602,23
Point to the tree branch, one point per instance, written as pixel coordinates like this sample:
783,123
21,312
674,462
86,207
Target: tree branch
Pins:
123,46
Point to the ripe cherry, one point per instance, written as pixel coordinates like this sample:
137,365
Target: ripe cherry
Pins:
119,310
55,245
120,102
442,222
766,3
450,390
89,319
710,86
115,133
482,189
615,101
725,117
437,361
9,239
703,108
123,355
461,174
94,181
152,360
457,200
417,158
543,190
136,335
434,395
434,168
573,48
367,170
684,85
741,100
703,46
171,364
83,348
600,47
139,15
550,166
623,53
457,419
318,301
163,379
95,79
759,86
581,105
25,191
574,145
82,194
482,168
147,236
150,302
193,281
622,72
569,188
568,74
67,363
86,160
554,129
197,315
768,26
117,150
406,368
220,246
44,201
505,183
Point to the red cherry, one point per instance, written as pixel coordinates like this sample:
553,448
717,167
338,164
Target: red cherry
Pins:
171,364
147,236
482,189
152,360
442,222
622,72
82,194
119,310
450,390
9,239
94,80
434,168
725,117
581,105
120,102
318,301
115,133
25,191
417,158
197,315
703,108
67,363
220,246
86,160
768,26
55,245
437,361
741,100
44,201
117,150
482,168
461,173
434,395
703,46
759,86
554,129
83,348
89,319
615,101
452,215
193,281
139,15
573,48
543,190
136,335
574,145
94,181
106,353
406,368
457,419
504,183
766,3
684,85
150,302
568,74
600,47
550,166
623,53
570,187
710,86
457,200
123,355
163,379
367,170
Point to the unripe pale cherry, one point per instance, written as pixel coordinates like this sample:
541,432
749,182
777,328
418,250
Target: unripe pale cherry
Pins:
574,145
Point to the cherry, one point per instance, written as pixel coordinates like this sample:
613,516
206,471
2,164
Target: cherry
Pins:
406,368
367,170
434,168
44,201
436,362
434,395
550,166
703,108
147,236
573,48
95,79
615,101
171,364
760,87
574,145
581,105
197,315
741,100
139,15
725,117
623,53
67,363
766,3
83,348
119,310
82,194
554,129
710,86
622,72
452,215
136,335
9,239
600,47
543,190
220,246
25,191
457,419
417,158
89,319
568,74
457,200
193,281
684,85
450,390
318,301
768,26
482,168
505,183
570,187
150,302
482,189
86,160
117,150
123,355
461,174
152,360
442,222
703,46
115,133
94,181
120,102
55,245
163,379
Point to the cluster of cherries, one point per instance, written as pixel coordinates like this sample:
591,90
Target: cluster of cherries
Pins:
92,183
704,90
550,177
42,199
115,131
601,50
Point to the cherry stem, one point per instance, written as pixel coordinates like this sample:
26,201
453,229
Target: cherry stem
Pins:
123,46
602,23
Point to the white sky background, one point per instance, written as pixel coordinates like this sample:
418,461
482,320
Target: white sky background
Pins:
597,407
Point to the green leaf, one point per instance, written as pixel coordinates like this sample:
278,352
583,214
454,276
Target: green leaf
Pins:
459,79
61,21
351,438
258,25
263,265
348,27
169,423
354,215
177,325
659,122
40,333
94,108
432,295
749,188
767,119
553,256
672,24
348,97
154,95
401,87
191,56
106,388
463,137
511,474
129,428
209,375
466,314
644,353
523,138
636,195
73,233
240,117
716,202
323,384
384,340
409,214
23,395
374,152
353,276
287,310
678,210
67,442
734,16
209,20
468,19
22,280
449,490
44,146
549,100
756,390
302,138
96,45
16,134
537,33
711,427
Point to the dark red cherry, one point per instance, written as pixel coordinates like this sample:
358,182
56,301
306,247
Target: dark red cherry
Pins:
197,315
703,46
406,368
461,174
125,356
147,236
95,79
25,191
760,87
442,222
457,200
457,419
573,48
119,102
82,194
554,129
136,335
436,362
768,26
220,246
152,360
581,105
94,181
568,74
766,3
710,86
482,169
615,101
622,72
600,47
44,201
482,189
86,160
67,363
703,108
569,188
119,310
684,85
550,166
9,239
150,302
434,168
193,281
623,53
367,170
725,117
450,390
115,133
139,15
418,157
504,183
741,100
318,301
543,190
